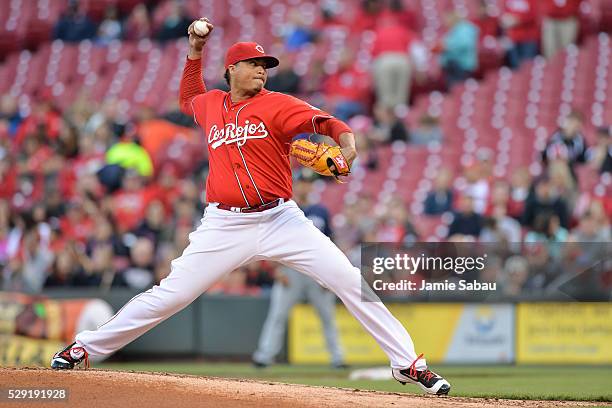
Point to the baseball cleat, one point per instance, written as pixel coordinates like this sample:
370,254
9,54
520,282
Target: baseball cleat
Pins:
69,357
429,381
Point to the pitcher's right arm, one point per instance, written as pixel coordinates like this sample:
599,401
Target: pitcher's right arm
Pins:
192,83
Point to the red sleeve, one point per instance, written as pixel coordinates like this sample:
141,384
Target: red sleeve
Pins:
333,128
191,85
297,117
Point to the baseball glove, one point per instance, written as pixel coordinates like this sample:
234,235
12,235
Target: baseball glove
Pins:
320,157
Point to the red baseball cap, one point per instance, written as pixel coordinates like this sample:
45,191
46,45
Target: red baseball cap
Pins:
241,51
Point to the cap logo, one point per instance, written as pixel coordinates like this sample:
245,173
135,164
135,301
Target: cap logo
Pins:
259,48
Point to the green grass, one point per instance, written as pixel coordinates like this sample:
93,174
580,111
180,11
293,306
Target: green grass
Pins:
521,382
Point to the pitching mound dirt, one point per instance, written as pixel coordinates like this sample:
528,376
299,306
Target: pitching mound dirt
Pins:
102,388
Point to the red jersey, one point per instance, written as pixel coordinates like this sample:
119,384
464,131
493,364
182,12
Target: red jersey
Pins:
526,12
350,84
129,207
562,8
248,141
392,38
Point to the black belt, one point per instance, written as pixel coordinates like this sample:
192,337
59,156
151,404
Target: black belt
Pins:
254,208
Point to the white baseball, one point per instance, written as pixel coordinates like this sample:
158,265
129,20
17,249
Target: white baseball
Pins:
201,28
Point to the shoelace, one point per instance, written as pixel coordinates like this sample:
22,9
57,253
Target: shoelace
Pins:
427,374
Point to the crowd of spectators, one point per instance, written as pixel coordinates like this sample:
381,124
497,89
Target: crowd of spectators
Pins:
87,200
541,231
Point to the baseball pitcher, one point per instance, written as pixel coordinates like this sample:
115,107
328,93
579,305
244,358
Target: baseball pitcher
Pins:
250,215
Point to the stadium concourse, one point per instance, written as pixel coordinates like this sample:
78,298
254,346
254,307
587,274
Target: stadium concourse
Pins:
101,175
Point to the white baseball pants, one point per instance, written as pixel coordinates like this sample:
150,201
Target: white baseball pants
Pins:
225,241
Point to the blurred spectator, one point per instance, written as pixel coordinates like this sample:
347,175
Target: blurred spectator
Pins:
398,56
168,186
67,144
396,9
563,183
89,159
602,220
560,25
9,112
347,228
465,220
459,49
152,225
547,229
493,272
500,196
367,16
589,230
520,185
388,128
567,143
63,271
544,199
104,235
74,25
175,24
71,268
129,154
34,260
516,273
395,224
487,21
311,83
427,131
284,78
98,268
499,227
328,18
140,273
8,178
347,91
543,267
485,159
110,28
78,222
475,184
55,203
297,31
106,119
45,120
600,155
138,25
129,204
520,23
260,276
440,199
